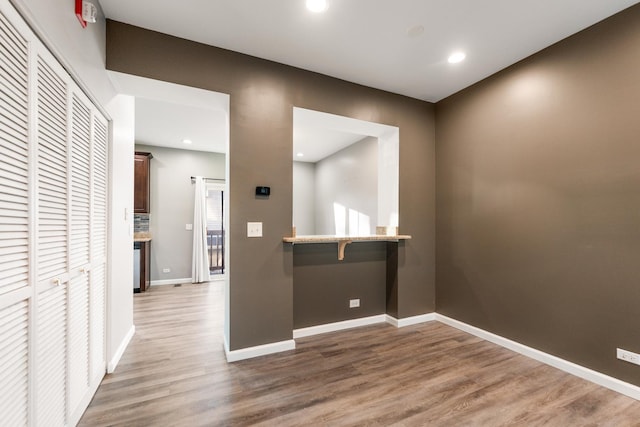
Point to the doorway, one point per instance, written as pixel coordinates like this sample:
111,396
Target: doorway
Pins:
215,227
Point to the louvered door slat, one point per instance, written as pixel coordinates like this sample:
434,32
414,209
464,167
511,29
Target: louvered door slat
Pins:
80,184
10,152
14,166
13,112
51,356
11,85
97,289
78,339
52,173
12,41
14,368
99,213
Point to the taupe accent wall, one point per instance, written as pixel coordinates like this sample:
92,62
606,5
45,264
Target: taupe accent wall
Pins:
324,285
538,199
262,97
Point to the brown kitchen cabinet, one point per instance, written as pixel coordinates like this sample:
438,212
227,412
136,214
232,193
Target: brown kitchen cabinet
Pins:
141,265
141,203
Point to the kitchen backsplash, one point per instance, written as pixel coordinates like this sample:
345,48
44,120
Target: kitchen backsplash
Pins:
141,223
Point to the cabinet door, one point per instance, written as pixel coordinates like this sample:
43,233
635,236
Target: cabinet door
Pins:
141,184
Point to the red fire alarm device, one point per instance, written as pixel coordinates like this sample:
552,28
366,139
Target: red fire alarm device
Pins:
79,13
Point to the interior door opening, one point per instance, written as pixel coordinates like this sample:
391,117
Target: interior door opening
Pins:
215,228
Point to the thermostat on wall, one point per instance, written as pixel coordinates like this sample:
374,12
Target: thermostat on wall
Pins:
263,191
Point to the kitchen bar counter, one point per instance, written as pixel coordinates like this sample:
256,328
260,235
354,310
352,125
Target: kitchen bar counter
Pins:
343,241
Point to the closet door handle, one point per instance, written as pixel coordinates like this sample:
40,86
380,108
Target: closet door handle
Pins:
57,281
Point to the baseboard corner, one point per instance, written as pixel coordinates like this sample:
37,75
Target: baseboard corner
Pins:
408,321
257,351
115,359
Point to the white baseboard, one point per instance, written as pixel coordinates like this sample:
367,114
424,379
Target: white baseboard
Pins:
408,321
111,366
86,400
338,326
564,365
260,350
171,281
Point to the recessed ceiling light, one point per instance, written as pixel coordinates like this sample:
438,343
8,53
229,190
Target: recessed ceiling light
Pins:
300,154
186,141
456,57
317,6
415,31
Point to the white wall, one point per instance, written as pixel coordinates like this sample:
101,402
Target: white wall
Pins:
171,208
347,190
83,51
304,195
120,259
388,178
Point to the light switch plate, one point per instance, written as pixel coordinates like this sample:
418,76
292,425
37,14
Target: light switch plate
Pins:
254,229
188,227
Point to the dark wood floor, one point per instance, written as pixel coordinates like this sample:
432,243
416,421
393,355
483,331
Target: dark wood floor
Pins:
174,373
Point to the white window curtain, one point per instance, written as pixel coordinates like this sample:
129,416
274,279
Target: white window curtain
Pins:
200,264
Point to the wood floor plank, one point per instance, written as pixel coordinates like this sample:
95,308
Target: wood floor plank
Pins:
174,373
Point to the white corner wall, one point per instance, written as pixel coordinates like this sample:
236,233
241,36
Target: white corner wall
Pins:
347,190
304,204
120,251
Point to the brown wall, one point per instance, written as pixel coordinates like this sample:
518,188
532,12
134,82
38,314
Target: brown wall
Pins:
323,285
538,206
262,95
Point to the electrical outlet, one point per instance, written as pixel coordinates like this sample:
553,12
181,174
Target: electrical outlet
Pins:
354,303
254,229
628,356
166,270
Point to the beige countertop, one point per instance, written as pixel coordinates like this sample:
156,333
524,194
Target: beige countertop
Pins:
332,239
343,241
141,237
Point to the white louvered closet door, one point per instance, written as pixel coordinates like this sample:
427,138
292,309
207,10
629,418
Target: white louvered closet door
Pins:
79,251
14,226
98,250
53,235
52,249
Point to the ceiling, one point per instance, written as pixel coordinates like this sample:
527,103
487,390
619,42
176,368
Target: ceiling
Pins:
367,41
166,114
317,135
377,43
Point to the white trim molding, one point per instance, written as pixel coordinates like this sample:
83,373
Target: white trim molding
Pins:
257,351
171,281
599,378
413,320
339,326
111,366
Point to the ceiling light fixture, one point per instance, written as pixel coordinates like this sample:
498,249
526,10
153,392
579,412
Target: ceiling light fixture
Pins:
317,6
187,141
415,31
300,154
456,57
